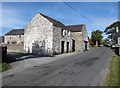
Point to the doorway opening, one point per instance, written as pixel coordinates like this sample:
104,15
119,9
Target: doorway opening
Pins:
62,46
73,45
85,45
67,47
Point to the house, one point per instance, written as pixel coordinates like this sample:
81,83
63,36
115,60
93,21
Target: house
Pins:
79,34
115,36
47,36
15,36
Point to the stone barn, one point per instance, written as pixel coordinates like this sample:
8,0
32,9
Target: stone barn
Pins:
46,36
80,35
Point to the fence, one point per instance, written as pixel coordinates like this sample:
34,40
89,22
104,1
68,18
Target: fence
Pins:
3,54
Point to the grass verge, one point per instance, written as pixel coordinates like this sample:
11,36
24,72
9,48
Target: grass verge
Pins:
113,76
4,67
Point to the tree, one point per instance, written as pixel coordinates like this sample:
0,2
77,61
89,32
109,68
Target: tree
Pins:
111,29
96,37
105,41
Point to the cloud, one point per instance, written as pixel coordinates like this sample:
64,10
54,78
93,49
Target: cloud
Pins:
11,18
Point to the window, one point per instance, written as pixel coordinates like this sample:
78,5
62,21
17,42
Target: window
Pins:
65,33
62,32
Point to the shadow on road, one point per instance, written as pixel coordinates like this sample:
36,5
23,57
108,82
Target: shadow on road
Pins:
13,57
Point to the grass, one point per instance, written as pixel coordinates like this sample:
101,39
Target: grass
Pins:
4,67
113,76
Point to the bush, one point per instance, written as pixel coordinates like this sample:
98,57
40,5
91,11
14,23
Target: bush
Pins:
4,67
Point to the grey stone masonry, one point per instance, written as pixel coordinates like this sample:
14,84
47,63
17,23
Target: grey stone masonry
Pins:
46,36
59,35
38,36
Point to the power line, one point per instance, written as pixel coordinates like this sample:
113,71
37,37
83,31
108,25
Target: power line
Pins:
82,15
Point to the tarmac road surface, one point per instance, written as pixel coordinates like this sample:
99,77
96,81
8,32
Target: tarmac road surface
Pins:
82,69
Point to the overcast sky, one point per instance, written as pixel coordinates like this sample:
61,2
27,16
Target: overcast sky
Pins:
16,15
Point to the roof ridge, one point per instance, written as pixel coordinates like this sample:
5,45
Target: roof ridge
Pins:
49,17
15,32
53,20
75,28
75,25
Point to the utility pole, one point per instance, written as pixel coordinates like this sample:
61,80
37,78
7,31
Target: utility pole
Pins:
119,11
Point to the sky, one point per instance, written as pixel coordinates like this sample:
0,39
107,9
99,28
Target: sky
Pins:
15,15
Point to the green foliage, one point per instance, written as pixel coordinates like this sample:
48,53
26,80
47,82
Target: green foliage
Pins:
96,36
111,29
108,31
4,67
112,78
105,41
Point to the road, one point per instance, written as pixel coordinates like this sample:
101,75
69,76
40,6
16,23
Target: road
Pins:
81,69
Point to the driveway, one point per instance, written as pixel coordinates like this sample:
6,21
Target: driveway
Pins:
79,69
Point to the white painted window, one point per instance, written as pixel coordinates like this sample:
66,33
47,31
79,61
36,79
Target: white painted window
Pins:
63,32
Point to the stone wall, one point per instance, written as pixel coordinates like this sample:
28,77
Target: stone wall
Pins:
57,38
85,36
14,47
79,42
38,36
10,39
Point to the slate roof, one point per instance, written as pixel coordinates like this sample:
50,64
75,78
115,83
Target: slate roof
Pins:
16,32
55,22
75,28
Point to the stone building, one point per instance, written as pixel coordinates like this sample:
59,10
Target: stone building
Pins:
15,36
79,34
115,36
47,36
